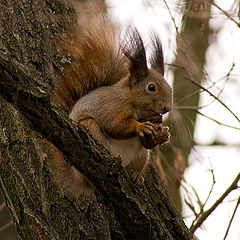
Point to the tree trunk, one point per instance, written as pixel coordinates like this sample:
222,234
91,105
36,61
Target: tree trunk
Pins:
29,63
192,44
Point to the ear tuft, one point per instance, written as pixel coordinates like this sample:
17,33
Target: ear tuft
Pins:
133,49
156,60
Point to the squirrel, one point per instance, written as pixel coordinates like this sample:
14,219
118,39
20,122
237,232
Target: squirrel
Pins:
107,86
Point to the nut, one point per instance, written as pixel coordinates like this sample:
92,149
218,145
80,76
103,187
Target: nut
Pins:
159,137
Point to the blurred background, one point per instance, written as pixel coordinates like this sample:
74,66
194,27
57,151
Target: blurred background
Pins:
200,41
201,47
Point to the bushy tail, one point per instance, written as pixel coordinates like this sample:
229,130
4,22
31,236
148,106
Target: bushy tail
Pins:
94,59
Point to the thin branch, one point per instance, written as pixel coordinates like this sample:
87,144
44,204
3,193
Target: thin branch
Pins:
205,214
194,108
6,225
216,143
189,203
216,121
196,195
173,20
226,77
74,141
233,215
210,192
3,205
190,95
225,13
167,162
212,95
190,78
221,90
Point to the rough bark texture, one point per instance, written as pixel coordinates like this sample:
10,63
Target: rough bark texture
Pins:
29,63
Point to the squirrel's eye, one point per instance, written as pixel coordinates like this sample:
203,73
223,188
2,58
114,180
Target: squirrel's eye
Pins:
151,87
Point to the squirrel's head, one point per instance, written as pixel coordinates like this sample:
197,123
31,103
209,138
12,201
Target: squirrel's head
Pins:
150,91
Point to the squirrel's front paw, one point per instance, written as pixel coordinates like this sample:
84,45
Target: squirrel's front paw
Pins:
146,128
160,137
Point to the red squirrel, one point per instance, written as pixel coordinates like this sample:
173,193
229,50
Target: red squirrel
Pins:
109,88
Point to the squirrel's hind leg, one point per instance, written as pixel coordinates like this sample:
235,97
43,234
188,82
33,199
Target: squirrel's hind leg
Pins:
67,178
137,167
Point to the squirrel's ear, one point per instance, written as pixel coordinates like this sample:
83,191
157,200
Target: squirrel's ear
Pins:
134,50
156,60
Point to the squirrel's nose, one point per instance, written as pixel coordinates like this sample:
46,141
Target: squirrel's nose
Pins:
166,109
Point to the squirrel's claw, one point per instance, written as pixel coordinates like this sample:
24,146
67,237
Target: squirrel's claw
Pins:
160,136
146,128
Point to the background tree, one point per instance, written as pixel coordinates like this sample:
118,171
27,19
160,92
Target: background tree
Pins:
192,42
214,149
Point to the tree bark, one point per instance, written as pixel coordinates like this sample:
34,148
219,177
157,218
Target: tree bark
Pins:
29,63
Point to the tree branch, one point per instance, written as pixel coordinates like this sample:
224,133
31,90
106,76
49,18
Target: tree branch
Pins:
193,108
212,95
225,13
233,215
205,214
110,179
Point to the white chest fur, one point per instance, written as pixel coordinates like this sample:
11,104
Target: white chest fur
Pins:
128,149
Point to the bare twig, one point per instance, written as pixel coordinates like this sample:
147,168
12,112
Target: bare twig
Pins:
226,77
221,90
212,95
194,108
234,212
173,20
197,196
213,183
205,214
216,143
216,121
203,205
3,205
189,203
190,78
226,13
6,225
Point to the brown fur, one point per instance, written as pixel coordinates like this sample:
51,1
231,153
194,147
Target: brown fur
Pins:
106,88
96,61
